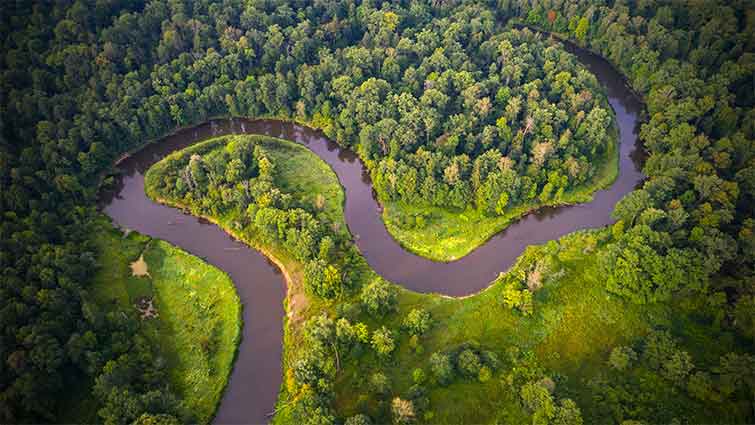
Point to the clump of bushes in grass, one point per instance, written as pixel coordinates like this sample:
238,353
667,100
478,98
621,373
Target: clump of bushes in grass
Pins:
532,271
467,361
379,297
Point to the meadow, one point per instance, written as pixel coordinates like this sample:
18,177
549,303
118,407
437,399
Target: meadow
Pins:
198,320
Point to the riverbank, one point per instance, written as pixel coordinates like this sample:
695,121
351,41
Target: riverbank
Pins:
445,235
310,181
195,321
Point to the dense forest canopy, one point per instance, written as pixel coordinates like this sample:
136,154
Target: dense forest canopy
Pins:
446,107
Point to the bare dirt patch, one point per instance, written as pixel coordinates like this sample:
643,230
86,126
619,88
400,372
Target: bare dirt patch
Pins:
140,268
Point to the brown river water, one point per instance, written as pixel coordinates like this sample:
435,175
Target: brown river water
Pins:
256,377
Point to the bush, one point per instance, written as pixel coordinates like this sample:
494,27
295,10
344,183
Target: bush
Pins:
379,297
359,419
417,322
441,367
468,363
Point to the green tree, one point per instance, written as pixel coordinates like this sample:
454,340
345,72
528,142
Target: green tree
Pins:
417,322
379,297
382,342
581,31
441,367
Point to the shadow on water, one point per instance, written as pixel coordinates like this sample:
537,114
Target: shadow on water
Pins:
256,376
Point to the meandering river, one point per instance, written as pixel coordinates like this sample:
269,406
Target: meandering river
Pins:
256,377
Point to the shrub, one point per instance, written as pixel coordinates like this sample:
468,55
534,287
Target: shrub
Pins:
382,341
417,322
379,297
468,363
441,367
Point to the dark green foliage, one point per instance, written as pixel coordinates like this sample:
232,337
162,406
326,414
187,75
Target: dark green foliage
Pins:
84,82
441,367
671,382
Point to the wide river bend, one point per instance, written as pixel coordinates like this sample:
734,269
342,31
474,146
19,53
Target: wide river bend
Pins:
256,377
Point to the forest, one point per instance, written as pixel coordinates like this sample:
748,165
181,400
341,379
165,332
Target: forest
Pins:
453,106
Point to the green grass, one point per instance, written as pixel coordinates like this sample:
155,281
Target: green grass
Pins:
574,325
199,323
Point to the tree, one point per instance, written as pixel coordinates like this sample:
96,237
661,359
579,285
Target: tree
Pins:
360,419
417,322
162,419
621,357
677,367
402,411
568,413
379,297
538,400
441,367
382,342
380,383
322,279
581,31
468,363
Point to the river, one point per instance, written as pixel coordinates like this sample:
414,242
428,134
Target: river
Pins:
256,376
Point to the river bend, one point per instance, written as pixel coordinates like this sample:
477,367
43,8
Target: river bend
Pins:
256,376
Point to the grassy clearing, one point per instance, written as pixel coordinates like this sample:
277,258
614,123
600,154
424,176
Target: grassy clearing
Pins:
448,235
574,326
199,314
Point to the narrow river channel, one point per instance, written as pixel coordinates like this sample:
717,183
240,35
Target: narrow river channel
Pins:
256,377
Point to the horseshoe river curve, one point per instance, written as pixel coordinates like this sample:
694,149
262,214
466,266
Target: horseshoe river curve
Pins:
256,377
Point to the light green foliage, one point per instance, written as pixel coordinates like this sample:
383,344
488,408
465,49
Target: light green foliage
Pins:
417,322
358,420
581,31
468,363
442,369
148,419
568,413
380,383
382,342
622,357
418,376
